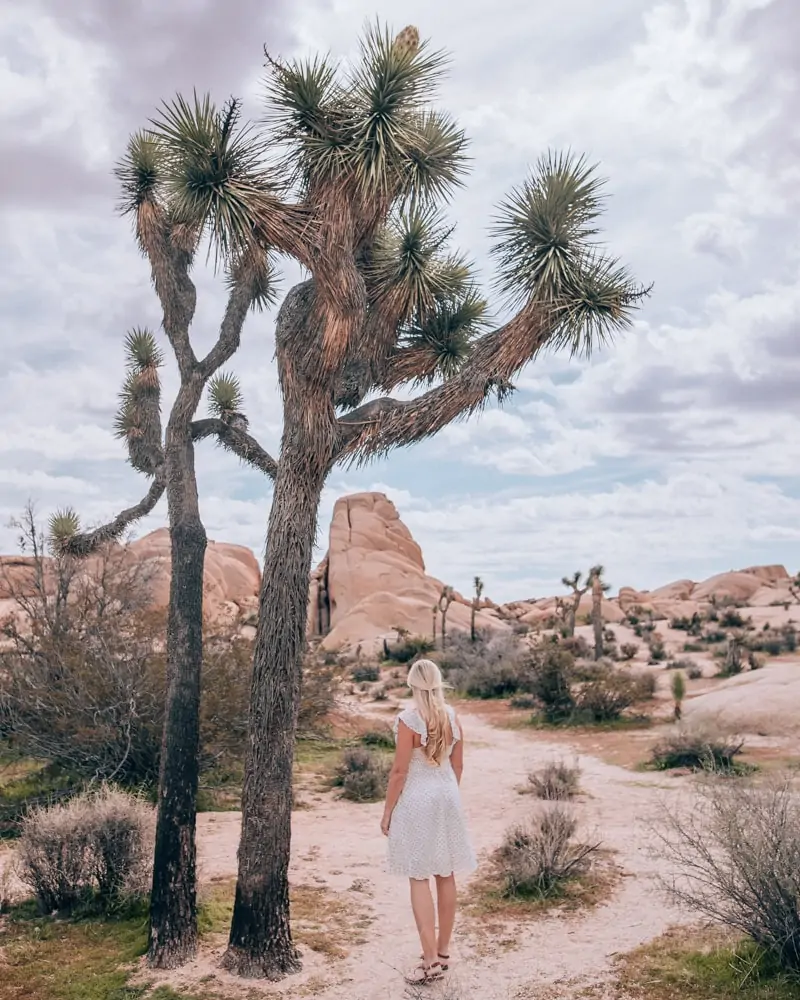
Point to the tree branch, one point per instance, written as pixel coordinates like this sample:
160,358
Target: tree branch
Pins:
86,542
240,299
382,424
238,441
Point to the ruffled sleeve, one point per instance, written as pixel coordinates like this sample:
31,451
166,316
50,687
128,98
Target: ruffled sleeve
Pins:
410,717
454,723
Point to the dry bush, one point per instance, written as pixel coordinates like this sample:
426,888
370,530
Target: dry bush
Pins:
362,775
628,650
697,748
736,860
608,693
96,847
490,667
557,780
539,858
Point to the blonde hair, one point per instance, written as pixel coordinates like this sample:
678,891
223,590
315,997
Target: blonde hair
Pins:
427,687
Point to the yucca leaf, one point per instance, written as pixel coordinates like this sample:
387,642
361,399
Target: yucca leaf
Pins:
142,350
140,172
63,525
442,339
225,395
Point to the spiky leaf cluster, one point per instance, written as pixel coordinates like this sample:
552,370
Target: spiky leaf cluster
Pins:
369,129
547,255
138,418
225,396
62,526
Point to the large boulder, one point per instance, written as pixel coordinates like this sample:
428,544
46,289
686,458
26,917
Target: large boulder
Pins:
739,587
373,580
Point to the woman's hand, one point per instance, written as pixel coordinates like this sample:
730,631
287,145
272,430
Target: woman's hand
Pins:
385,823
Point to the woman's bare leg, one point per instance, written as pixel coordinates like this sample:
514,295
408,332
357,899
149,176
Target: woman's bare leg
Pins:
425,917
446,905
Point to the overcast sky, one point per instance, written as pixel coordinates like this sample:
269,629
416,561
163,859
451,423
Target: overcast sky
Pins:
675,453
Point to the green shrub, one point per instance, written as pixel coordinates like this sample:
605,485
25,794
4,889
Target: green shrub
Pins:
610,693
549,678
693,647
362,775
366,673
657,651
382,738
539,858
95,848
697,750
407,648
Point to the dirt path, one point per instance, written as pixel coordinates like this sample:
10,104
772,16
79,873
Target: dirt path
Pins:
338,845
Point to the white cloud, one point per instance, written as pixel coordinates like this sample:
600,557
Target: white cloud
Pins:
675,451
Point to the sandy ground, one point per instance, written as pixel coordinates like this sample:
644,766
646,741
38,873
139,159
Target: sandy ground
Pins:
339,845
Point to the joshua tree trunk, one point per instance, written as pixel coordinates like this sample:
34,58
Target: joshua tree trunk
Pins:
597,615
261,941
173,901
435,612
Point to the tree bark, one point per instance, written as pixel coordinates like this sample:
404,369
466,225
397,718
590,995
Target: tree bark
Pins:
261,943
597,616
173,900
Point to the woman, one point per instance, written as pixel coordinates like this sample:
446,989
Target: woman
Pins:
423,818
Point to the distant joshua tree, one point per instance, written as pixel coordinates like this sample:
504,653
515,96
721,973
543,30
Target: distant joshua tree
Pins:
599,587
476,600
574,584
446,598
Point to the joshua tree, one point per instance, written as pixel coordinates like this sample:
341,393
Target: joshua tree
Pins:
387,303
446,598
476,600
195,175
678,694
599,587
574,584
435,612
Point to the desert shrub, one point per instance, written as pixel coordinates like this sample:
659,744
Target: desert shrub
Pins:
713,635
697,749
628,650
538,858
319,691
491,667
362,775
380,694
577,646
680,663
407,648
366,673
383,738
692,624
549,678
693,647
730,618
657,651
694,672
556,781
524,701
736,861
610,692
94,848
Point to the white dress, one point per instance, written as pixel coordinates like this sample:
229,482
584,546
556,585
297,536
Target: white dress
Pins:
428,833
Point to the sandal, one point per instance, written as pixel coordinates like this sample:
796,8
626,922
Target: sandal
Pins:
424,974
444,961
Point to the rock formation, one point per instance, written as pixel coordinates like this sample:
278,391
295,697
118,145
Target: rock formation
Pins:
373,580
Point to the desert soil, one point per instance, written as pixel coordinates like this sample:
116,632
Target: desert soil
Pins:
338,845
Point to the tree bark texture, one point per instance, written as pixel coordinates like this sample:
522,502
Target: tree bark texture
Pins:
597,616
173,900
260,944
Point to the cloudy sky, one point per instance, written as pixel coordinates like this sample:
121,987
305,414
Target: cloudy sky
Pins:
674,453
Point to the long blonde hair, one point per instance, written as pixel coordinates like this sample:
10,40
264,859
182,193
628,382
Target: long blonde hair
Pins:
427,687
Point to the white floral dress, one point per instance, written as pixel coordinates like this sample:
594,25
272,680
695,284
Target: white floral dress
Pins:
428,833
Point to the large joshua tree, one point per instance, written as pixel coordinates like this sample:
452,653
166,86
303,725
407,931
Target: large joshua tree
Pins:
599,588
574,584
196,176
387,304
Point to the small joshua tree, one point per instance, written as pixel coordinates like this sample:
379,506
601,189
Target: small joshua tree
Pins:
446,598
599,587
476,601
434,612
574,584
678,694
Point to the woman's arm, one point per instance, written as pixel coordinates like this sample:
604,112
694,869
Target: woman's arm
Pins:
457,756
397,778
